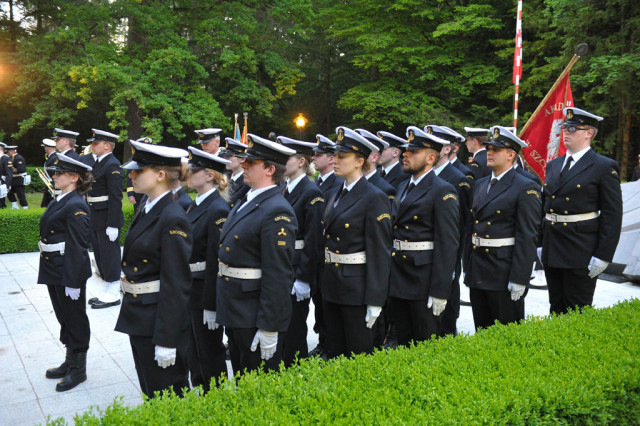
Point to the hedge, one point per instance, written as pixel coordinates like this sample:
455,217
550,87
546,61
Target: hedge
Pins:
576,368
19,229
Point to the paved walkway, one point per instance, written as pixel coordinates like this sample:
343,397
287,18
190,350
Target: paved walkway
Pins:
29,345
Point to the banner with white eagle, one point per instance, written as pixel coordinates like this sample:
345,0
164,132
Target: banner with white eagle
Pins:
543,134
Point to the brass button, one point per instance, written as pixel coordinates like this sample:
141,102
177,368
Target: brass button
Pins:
578,186
486,250
124,263
498,212
338,239
337,251
406,227
393,254
486,236
227,249
545,184
395,226
553,197
226,279
46,257
489,223
328,236
326,261
219,245
564,224
132,282
135,269
550,210
566,212
135,296
415,218
346,225
475,234
336,265
45,240
236,237
475,247
404,257
53,232
553,223
145,261
567,199
477,222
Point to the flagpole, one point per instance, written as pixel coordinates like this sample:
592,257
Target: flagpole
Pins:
517,64
581,50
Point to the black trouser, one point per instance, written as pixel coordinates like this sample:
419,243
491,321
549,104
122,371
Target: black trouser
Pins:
243,358
319,326
151,376
295,341
46,199
107,253
414,321
569,288
72,317
452,310
489,306
207,354
19,191
347,331
3,204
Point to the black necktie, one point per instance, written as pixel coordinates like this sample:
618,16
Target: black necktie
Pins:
409,188
319,181
241,202
192,206
383,173
342,194
286,192
492,184
565,169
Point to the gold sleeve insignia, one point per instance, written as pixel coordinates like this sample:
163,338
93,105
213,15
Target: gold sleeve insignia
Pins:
392,197
282,232
178,232
384,216
464,184
79,213
115,172
613,172
282,243
473,165
533,192
317,199
448,196
279,218
221,220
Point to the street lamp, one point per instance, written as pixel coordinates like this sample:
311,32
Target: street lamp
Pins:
300,121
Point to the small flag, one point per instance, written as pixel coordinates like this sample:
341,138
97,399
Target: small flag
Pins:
236,129
245,130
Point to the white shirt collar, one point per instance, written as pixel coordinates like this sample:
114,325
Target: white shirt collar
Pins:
236,177
201,198
99,159
493,175
61,196
417,181
292,184
325,176
350,187
454,160
480,150
388,169
253,193
577,156
370,174
441,168
150,204
175,190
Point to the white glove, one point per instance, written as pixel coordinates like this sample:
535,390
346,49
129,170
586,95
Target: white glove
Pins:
73,293
268,341
209,318
597,266
166,357
112,233
373,312
436,305
301,290
516,290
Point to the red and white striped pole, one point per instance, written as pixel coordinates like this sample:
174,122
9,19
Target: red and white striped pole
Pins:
517,64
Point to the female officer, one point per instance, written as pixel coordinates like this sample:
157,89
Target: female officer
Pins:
65,266
207,214
157,278
357,223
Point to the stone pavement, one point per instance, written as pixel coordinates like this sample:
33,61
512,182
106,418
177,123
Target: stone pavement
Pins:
29,345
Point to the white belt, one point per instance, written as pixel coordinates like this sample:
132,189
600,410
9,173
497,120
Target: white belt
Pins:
299,244
51,247
347,259
97,199
240,273
496,242
198,266
21,174
569,218
141,288
412,245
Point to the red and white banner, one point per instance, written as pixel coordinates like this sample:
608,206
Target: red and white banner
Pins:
544,135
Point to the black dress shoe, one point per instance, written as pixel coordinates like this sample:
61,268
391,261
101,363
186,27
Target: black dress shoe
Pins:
93,300
61,371
101,305
77,372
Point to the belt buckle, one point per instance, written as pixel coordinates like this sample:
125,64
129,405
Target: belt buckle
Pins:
554,217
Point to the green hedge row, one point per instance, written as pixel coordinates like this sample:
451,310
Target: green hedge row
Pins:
577,369
20,229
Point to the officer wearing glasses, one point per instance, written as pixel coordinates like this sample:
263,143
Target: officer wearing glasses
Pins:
582,203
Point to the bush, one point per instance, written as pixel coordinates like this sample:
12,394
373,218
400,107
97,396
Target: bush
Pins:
21,228
576,368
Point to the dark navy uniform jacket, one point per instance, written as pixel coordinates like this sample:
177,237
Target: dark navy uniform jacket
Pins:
591,185
379,182
261,236
478,166
464,169
510,210
108,181
19,166
429,212
528,175
65,220
206,221
360,222
6,170
237,190
396,176
308,204
182,198
330,186
157,247
90,160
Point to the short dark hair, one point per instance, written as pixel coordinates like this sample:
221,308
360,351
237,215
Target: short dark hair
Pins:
278,175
